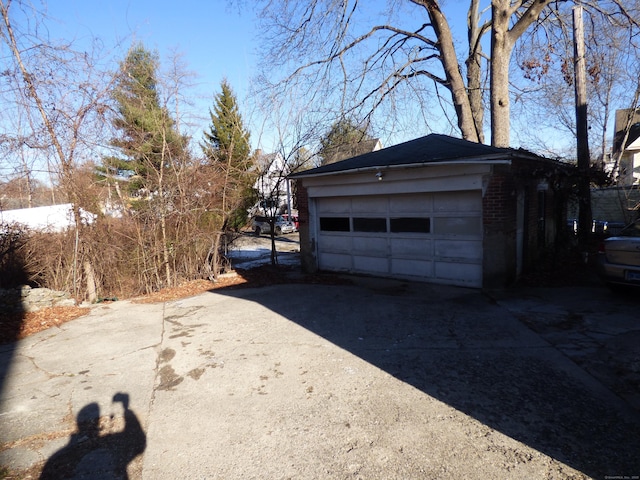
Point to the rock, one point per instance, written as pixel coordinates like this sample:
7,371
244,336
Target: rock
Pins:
27,299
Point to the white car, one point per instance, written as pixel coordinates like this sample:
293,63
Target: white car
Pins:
262,225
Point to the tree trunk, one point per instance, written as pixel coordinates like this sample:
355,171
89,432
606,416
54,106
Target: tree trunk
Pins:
584,188
91,282
274,253
455,81
213,257
474,69
165,250
501,48
503,39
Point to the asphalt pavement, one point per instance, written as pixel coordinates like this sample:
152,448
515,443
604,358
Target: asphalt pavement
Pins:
372,379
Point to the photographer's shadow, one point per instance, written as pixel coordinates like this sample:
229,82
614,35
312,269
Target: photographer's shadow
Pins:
90,454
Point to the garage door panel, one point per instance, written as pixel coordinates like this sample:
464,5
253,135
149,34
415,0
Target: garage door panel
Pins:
369,204
371,245
368,264
335,262
458,202
410,203
333,205
335,243
457,225
459,249
411,247
412,267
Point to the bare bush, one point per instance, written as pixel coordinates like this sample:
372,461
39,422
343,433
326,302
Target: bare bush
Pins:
12,243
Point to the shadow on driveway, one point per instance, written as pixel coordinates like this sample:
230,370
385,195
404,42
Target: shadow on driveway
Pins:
461,348
91,453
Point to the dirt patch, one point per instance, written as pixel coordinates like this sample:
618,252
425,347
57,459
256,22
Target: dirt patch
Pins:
15,326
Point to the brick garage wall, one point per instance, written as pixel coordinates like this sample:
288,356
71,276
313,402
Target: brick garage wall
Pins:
545,211
499,207
307,251
543,219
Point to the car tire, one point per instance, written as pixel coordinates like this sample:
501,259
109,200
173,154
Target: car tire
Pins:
257,231
278,231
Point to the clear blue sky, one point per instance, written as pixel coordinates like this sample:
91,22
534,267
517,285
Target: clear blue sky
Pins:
216,39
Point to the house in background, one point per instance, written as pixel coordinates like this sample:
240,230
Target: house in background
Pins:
272,186
436,209
619,205
628,151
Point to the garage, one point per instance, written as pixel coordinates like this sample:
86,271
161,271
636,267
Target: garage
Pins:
435,237
435,209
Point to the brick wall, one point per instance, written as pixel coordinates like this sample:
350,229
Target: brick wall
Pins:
307,251
499,204
504,188
302,201
499,201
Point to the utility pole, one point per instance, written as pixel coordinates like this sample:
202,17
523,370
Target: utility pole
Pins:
584,185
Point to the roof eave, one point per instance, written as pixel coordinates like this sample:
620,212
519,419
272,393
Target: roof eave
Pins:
491,160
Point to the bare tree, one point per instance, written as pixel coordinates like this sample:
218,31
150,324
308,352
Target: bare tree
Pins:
404,58
545,84
293,132
61,93
407,53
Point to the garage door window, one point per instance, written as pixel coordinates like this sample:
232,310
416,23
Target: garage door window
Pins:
334,224
410,225
369,224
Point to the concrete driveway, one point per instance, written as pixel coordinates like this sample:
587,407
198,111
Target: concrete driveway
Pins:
378,379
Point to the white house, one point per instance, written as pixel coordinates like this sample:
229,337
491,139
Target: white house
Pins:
629,152
272,185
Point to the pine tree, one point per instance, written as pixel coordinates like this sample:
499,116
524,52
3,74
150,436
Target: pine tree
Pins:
151,148
148,141
227,149
343,133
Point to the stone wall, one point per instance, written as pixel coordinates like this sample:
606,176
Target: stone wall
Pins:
27,299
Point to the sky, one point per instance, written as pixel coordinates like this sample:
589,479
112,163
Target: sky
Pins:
216,39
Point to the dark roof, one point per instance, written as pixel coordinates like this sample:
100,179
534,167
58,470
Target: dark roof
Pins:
433,148
634,134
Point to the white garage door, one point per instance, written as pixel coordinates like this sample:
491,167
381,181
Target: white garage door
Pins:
435,237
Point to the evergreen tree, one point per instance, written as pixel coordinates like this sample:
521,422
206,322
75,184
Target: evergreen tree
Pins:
152,150
226,139
226,147
148,141
343,133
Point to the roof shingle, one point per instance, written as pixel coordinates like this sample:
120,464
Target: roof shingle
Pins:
433,148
